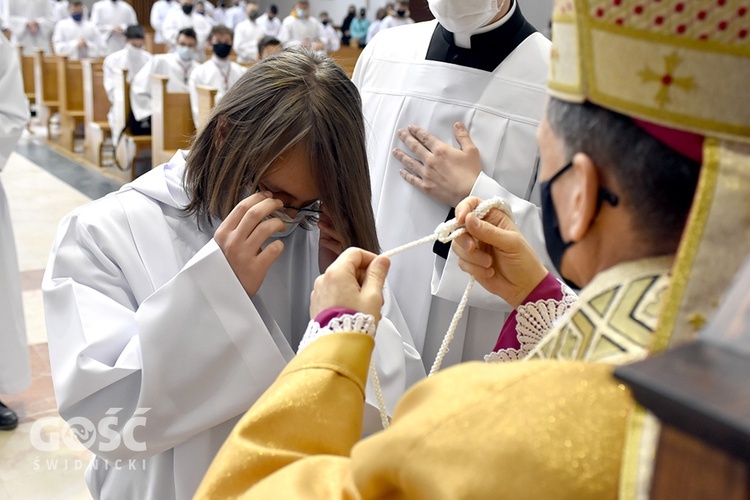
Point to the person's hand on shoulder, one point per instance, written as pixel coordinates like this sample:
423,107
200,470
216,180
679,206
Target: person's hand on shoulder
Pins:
354,281
242,235
495,252
441,171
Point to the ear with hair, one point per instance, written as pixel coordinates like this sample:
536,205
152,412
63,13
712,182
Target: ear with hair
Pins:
583,201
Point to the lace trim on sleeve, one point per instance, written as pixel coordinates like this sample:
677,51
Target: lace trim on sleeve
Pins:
533,321
359,323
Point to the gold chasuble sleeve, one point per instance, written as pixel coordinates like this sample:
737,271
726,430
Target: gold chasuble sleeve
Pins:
539,429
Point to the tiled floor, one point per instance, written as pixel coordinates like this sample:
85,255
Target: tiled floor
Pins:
39,459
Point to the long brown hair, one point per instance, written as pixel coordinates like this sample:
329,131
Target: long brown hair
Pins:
294,97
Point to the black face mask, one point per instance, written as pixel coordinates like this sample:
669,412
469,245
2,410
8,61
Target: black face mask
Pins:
401,12
325,22
222,50
187,9
553,239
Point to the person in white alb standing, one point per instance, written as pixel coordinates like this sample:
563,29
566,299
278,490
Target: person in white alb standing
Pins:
218,72
15,373
30,23
159,12
270,21
481,70
247,34
111,18
76,37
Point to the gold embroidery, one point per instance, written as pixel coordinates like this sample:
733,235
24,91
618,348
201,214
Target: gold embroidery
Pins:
667,79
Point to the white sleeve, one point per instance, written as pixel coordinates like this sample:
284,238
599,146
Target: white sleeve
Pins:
97,43
193,97
449,281
284,34
193,354
14,111
246,46
140,92
61,44
109,78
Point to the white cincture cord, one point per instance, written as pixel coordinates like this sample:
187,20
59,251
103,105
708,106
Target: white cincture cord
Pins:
445,233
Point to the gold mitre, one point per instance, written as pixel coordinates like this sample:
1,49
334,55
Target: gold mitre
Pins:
684,65
679,63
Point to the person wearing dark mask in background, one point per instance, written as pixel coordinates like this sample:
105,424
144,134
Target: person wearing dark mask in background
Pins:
76,37
358,28
247,34
398,17
332,43
346,25
220,12
270,21
218,72
186,17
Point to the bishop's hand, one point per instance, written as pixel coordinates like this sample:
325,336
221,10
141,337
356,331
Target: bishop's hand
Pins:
495,252
441,171
242,235
354,281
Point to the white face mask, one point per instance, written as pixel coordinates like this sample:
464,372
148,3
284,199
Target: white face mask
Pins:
464,16
184,53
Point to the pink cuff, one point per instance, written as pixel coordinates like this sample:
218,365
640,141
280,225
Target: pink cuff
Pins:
548,288
325,317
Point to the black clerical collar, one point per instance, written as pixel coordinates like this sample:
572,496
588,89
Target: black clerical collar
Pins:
487,50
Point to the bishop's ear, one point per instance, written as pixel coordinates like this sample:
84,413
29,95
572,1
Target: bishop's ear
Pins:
584,195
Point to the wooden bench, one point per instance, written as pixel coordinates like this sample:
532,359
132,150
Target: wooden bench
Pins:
206,102
151,46
95,109
129,146
27,71
700,394
174,106
70,94
45,87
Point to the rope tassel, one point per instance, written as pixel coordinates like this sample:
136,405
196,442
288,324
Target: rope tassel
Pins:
444,233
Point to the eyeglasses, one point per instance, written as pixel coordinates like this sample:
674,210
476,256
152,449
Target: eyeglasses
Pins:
307,217
604,194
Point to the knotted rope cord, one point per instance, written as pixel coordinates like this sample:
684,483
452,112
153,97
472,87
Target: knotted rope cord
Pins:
445,233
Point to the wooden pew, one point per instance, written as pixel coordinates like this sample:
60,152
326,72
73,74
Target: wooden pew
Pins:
45,86
95,108
70,93
175,107
151,46
700,394
346,57
128,144
206,102
27,71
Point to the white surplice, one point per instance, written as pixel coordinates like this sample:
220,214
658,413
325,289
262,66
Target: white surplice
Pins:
502,110
394,21
129,58
177,20
159,12
17,14
247,34
215,73
169,65
297,31
108,15
144,312
67,34
15,373
270,26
